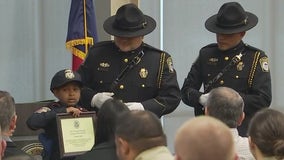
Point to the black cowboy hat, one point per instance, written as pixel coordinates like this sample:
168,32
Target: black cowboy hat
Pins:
129,21
231,18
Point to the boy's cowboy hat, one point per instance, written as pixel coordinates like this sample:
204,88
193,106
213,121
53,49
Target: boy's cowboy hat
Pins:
129,21
231,18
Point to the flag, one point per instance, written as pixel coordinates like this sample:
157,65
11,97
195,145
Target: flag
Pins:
82,31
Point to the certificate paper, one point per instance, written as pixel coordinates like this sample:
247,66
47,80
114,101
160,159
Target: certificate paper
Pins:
76,135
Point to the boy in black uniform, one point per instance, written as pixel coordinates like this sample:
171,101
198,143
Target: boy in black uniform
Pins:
140,75
230,63
66,87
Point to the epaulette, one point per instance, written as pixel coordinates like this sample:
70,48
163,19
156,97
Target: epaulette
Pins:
253,48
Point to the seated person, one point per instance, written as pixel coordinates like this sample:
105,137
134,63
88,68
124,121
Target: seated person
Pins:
204,138
266,135
2,145
8,120
106,121
227,105
66,86
139,136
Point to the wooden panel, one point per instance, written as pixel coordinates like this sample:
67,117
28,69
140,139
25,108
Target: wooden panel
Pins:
24,110
24,137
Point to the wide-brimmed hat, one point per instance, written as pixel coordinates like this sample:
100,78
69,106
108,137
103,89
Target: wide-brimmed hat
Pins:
129,21
231,18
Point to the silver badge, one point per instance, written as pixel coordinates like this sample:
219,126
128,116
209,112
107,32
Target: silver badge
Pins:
69,74
104,64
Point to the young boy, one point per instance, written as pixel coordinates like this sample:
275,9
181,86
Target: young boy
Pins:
66,87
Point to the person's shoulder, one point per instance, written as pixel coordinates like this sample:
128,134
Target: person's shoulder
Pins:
153,49
208,50
105,150
48,107
149,47
212,45
249,47
102,44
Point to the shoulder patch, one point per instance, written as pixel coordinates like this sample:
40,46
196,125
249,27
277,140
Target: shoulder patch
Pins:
264,64
43,109
170,64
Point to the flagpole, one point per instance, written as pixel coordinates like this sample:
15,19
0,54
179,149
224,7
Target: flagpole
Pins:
81,30
85,28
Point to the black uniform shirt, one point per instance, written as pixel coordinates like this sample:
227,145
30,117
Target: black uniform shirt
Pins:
152,81
250,77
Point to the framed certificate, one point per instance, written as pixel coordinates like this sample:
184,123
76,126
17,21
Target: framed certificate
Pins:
76,134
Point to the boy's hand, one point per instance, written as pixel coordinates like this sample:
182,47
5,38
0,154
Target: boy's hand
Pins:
75,111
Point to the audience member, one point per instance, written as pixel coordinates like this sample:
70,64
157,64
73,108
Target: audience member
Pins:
66,86
203,138
8,119
266,135
106,121
140,136
2,145
227,105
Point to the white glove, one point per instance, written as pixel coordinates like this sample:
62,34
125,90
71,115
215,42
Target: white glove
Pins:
99,98
203,99
134,106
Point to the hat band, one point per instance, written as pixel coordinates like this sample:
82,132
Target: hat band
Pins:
123,27
243,22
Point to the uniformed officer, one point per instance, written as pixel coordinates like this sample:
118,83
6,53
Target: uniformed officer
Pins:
128,69
66,87
230,63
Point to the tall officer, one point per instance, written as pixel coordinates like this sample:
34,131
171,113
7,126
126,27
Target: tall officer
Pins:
128,69
230,63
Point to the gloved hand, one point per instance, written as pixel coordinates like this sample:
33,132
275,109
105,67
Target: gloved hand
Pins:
99,98
203,99
134,106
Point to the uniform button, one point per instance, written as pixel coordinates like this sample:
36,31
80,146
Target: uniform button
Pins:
121,86
237,77
101,82
226,58
221,82
143,85
125,60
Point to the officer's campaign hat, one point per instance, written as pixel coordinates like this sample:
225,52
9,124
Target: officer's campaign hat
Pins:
63,77
129,21
231,18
